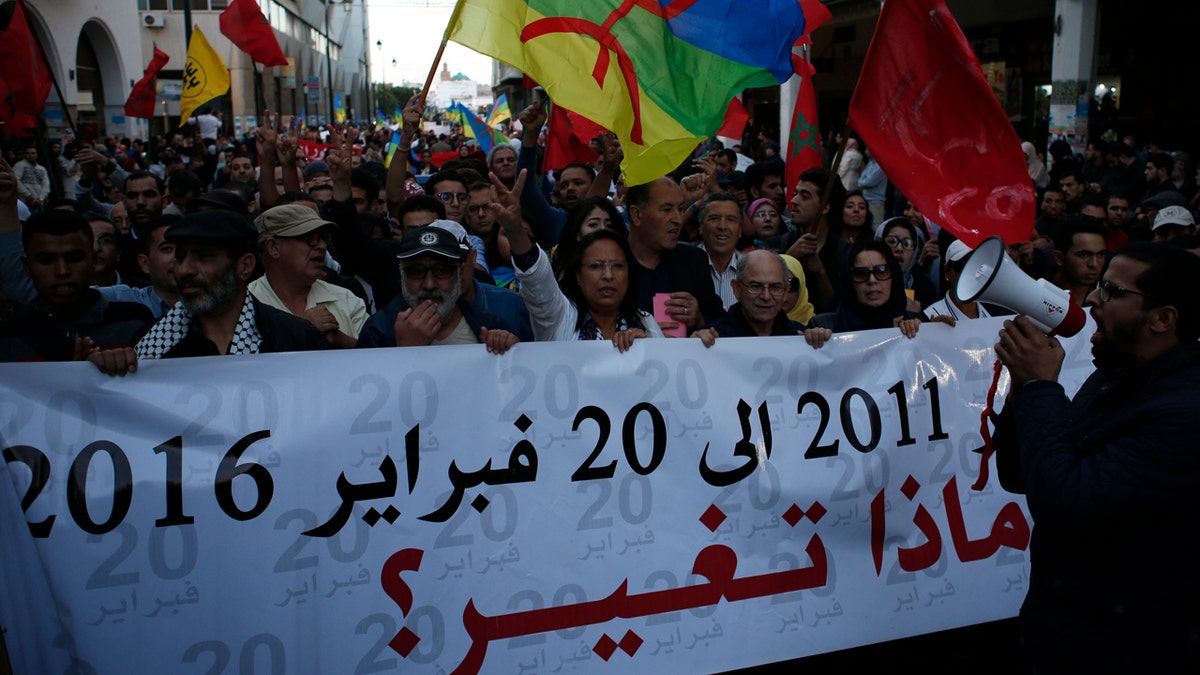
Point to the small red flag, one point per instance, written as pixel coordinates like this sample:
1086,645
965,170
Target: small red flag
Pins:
569,139
143,97
736,118
245,26
924,109
25,79
804,139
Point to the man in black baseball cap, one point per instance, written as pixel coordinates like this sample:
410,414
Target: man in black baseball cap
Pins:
431,269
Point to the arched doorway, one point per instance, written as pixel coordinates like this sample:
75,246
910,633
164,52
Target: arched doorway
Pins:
98,80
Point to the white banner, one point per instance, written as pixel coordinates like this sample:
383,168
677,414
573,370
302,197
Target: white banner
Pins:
559,508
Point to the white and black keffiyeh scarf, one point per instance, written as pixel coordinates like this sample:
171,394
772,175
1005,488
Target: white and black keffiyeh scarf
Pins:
178,322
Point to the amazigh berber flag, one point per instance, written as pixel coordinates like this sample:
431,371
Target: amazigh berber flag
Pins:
930,118
659,73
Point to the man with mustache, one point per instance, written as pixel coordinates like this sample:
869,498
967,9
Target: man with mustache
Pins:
436,267
662,266
294,241
1111,476
216,315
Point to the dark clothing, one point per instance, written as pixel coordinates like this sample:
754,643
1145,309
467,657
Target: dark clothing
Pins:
533,200
493,308
852,315
32,334
281,332
834,255
682,269
1111,480
1045,225
923,288
734,324
374,261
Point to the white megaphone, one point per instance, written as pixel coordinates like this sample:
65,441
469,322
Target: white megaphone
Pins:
991,276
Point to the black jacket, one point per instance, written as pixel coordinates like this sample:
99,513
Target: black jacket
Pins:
281,332
1112,480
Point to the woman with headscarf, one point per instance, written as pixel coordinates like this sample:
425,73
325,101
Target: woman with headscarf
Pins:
1037,170
871,293
906,241
851,165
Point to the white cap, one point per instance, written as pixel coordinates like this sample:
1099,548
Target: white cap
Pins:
455,229
1173,215
957,250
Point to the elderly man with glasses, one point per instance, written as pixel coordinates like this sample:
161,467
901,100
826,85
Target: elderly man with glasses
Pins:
759,286
294,241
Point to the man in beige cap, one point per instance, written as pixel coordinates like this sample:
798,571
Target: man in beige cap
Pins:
294,240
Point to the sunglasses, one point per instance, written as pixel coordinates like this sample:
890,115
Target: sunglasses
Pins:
859,275
439,271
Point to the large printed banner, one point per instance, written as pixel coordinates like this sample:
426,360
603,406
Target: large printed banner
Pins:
560,508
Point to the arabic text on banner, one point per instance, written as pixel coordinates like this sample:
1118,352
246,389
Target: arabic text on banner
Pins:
559,508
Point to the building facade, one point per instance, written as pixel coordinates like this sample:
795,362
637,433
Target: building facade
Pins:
97,50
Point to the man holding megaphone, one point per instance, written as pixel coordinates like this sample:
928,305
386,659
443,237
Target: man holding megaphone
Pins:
1112,478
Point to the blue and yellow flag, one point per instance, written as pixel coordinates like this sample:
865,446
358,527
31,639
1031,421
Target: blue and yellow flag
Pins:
500,112
484,135
339,109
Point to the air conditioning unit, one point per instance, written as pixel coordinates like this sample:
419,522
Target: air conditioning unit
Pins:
154,20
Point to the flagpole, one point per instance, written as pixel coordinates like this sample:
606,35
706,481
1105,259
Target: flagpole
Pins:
53,80
823,227
441,48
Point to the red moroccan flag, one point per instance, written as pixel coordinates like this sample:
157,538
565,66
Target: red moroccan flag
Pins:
245,26
924,109
568,139
735,121
804,139
143,97
25,79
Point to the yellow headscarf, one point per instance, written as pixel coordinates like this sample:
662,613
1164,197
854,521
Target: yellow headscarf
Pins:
803,310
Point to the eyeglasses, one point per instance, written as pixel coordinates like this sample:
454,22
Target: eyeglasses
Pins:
314,238
859,275
448,197
1111,291
763,214
440,271
755,288
905,243
478,208
598,266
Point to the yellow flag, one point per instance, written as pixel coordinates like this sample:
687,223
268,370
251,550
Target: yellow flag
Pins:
204,76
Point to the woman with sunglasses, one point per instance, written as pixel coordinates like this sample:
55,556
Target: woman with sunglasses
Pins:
597,297
871,294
